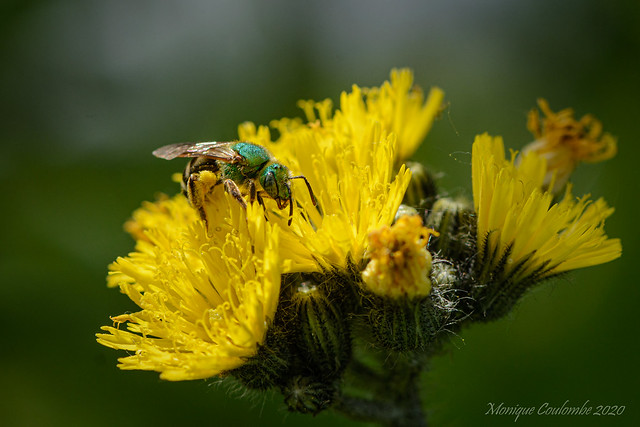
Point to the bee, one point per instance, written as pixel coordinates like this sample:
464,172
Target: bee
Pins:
236,165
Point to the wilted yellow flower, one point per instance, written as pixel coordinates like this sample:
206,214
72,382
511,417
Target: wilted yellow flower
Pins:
206,298
564,142
521,234
400,264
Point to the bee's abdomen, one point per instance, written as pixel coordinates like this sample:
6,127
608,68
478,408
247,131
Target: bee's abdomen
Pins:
197,165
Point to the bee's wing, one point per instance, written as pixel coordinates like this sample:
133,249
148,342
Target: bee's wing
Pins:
214,150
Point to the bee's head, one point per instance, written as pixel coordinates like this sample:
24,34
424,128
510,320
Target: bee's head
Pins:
275,182
274,179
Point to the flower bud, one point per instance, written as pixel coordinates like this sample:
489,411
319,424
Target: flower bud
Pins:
444,274
307,395
323,335
422,190
455,222
451,289
404,210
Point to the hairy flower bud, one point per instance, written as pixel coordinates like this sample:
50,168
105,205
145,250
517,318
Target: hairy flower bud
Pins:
454,220
308,396
444,274
323,335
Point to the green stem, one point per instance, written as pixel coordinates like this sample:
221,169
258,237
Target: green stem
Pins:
404,381
371,410
362,376
397,400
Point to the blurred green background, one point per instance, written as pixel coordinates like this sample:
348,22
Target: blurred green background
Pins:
90,88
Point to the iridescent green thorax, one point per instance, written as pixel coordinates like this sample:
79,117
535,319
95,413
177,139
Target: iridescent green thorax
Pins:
255,155
275,181
256,158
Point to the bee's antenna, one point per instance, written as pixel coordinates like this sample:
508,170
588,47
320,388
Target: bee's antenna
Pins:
313,197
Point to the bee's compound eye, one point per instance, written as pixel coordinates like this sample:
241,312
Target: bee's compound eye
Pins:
269,183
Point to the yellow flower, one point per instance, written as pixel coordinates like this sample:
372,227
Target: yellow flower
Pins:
351,158
401,109
206,299
400,264
208,292
522,235
564,142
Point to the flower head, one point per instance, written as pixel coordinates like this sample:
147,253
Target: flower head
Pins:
206,298
400,264
522,235
564,142
350,158
208,291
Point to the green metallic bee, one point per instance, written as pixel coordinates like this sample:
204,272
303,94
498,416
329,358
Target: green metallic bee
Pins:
236,165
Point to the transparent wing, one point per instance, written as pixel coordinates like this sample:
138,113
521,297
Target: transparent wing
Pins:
214,150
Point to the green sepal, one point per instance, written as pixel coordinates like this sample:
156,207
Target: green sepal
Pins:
497,292
269,367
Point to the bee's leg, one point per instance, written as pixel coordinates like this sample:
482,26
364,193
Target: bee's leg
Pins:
195,195
232,188
260,200
261,203
252,191
306,181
